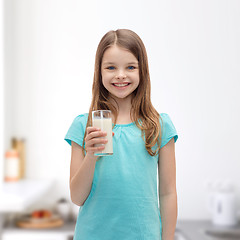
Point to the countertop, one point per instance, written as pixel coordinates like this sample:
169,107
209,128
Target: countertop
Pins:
190,229
194,230
65,232
17,196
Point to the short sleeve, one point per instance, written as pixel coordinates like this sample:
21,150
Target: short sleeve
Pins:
168,129
77,129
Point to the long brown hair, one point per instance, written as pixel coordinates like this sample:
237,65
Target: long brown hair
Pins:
142,109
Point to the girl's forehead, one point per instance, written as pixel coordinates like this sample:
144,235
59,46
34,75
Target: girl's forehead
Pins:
115,53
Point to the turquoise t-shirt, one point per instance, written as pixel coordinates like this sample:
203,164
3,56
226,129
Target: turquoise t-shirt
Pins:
123,201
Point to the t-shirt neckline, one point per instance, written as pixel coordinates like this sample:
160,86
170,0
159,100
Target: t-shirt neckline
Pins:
124,125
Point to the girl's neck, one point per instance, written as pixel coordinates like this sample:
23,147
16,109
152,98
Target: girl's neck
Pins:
123,111
123,119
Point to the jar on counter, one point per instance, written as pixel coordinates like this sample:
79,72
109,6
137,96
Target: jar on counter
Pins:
11,166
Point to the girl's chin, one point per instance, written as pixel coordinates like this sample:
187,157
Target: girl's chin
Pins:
120,97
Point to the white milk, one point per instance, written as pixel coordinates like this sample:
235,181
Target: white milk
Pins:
106,125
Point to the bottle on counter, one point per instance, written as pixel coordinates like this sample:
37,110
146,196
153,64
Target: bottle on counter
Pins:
11,173
19,146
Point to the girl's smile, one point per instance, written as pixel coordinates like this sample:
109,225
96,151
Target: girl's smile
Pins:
121,85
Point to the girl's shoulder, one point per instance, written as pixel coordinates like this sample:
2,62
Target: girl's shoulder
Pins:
166,121
164,117
82,115
81,119
167,125
77,128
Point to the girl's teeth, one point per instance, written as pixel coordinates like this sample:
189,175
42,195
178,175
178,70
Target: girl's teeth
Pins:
120,85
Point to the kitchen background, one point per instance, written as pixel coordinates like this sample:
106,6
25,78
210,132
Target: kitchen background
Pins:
193,50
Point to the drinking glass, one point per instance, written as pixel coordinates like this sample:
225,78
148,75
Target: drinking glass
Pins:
102,119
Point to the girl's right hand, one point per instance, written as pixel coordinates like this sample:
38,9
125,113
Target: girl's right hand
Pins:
94,136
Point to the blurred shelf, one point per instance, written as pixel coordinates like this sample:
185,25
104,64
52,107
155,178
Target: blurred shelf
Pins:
17,196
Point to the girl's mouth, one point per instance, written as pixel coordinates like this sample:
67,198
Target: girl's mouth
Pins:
121,86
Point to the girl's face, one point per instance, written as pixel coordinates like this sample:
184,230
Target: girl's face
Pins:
120,72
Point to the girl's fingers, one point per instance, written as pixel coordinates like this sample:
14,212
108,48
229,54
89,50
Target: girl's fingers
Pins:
96,135
91,129
98,141
92,132
95,149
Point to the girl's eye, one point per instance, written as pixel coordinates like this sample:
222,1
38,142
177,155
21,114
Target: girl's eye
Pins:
132,67
110,68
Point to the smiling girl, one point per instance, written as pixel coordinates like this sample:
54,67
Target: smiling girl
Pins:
117,194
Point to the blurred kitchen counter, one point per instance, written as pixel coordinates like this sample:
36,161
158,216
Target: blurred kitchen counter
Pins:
64,232
17,196
196,230
189,229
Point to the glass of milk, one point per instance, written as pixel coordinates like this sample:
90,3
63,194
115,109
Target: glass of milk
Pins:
102,119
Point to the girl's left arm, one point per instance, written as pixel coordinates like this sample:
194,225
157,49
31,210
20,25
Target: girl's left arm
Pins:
167,190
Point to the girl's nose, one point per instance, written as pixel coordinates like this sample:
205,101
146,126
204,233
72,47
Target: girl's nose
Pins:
120,75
